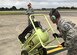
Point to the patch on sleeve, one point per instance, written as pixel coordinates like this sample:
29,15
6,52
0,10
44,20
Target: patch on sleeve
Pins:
66,27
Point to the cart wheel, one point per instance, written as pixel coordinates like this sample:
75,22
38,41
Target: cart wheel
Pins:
42,51
24,52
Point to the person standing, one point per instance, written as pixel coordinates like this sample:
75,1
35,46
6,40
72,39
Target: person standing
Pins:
29,12
68,31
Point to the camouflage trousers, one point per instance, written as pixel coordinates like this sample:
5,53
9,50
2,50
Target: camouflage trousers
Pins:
29,22
73,49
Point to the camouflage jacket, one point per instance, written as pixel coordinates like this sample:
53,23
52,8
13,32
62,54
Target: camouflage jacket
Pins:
29,11
68,31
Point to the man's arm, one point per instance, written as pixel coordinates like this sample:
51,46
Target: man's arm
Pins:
70,33
27,12
32,10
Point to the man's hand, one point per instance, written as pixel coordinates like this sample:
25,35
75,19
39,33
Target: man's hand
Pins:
55,35
63,44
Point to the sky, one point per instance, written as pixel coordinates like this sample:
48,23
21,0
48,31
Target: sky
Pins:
38,3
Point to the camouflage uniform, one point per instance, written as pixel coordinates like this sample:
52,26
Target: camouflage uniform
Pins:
69,34
29,12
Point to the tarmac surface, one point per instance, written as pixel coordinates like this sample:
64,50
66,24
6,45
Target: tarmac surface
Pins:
12,25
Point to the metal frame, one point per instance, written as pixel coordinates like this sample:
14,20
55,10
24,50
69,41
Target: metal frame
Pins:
49,27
